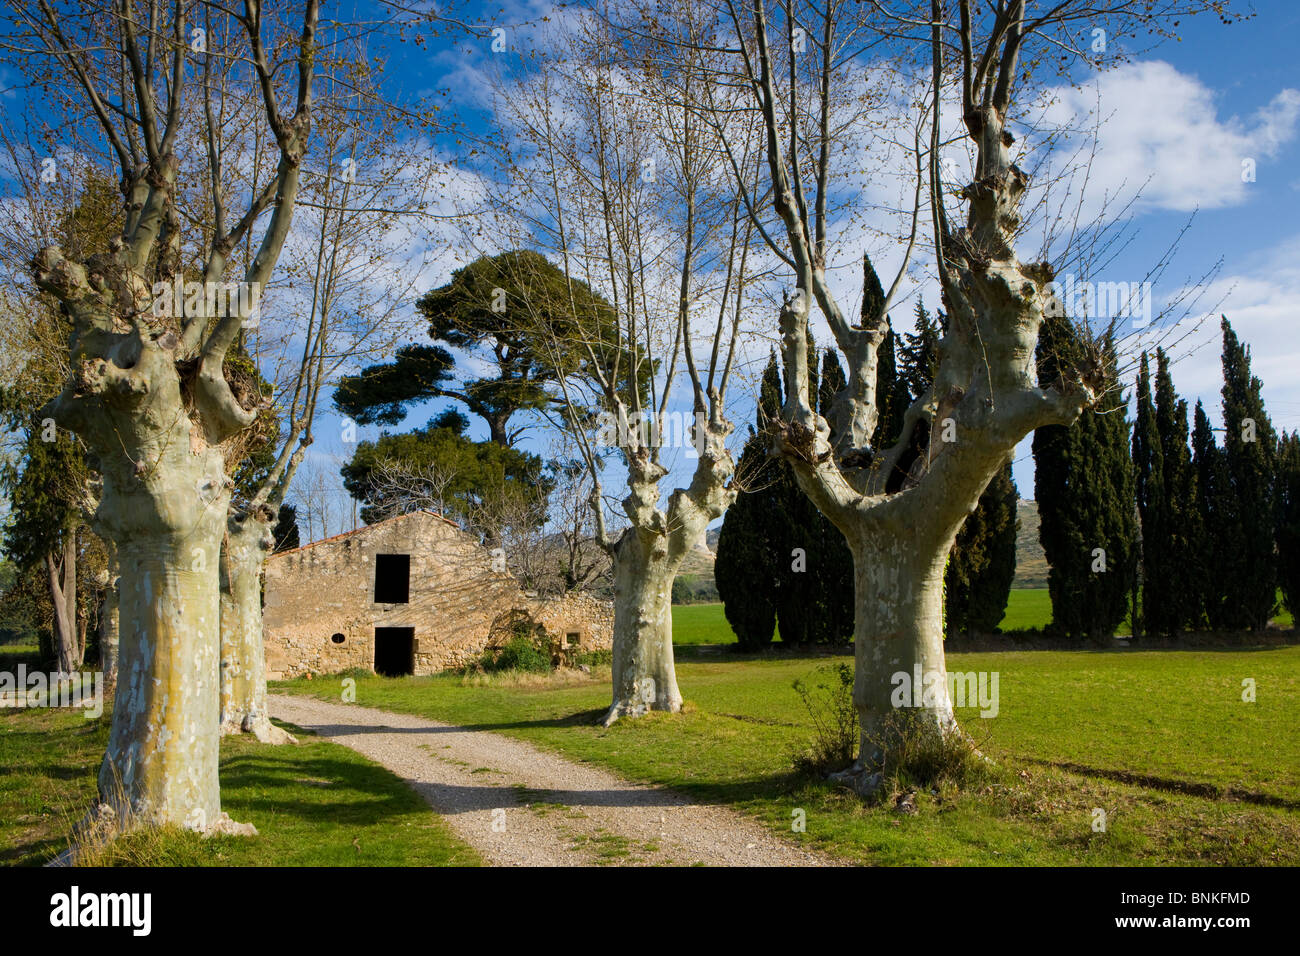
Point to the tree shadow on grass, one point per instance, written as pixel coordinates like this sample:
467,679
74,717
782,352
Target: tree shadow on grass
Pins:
71,771
1209,791
35,853
581,718
311,790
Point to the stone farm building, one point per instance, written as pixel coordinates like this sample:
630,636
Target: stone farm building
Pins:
411,595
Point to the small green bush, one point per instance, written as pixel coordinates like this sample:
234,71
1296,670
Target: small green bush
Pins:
526,647
519,654
920,756
594,658
829,703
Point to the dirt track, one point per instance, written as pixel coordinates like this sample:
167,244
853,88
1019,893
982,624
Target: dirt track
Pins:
520,806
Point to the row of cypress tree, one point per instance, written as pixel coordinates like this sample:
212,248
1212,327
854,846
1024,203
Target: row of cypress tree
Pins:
782,567
1162,524
1145,520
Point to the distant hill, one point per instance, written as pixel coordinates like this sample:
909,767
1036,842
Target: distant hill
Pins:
699,561
1031,563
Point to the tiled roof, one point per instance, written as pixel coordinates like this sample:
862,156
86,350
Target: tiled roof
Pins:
369,527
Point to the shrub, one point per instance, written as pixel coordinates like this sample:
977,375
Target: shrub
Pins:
519,654
595,658
829,703
920,756
526,646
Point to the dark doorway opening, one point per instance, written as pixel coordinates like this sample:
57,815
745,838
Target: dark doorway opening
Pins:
394,651
392,578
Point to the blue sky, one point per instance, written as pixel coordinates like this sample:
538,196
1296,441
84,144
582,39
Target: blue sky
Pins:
1184,117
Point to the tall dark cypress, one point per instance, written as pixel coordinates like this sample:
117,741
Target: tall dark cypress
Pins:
780,563
744,569
1216,514
1182,523
1288,521
1167,478
1249,445
1146,449
982,563
873,294
892,399
1084,486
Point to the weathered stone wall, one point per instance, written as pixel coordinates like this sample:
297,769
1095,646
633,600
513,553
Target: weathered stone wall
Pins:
456,600
580,616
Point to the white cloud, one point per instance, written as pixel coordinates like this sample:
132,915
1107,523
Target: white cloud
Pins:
1261,305
1159,130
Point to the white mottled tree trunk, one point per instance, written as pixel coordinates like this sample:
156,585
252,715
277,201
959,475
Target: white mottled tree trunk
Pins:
645,678
108,622
243,659
898,630
61,578
164,501
161,766
646,559
148,392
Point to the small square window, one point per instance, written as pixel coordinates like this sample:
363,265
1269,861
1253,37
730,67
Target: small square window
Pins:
573,637
392,579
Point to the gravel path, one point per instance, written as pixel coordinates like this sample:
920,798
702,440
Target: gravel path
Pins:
520,806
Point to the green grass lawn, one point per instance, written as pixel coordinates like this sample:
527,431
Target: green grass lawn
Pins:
1031,607
315,804
701,624
11,655
1186,772
707,623
1026,608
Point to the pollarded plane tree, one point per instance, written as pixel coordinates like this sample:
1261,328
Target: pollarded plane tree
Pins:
45,475
611,173
805,69
51,482
349,270
150,392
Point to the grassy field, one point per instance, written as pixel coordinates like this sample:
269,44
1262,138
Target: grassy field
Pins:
1026,608
707,624
317,804
1186,772
11,655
